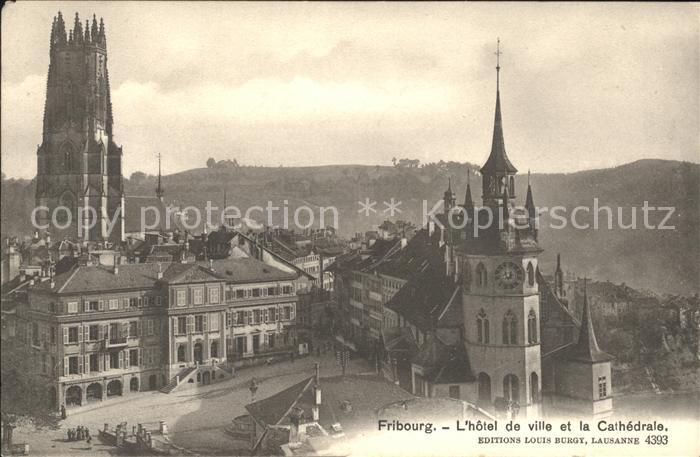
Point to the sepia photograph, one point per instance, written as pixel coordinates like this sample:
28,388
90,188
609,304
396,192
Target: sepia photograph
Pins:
350,229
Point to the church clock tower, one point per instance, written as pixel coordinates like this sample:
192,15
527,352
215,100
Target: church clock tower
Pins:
79,166
501,305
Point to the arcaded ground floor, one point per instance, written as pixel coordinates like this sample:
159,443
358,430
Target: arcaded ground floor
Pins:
196,418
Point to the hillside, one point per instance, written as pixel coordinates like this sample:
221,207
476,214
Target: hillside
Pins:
661,260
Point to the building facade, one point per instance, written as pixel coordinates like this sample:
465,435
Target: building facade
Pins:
98,332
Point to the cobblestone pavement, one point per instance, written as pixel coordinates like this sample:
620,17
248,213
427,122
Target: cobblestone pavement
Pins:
196,418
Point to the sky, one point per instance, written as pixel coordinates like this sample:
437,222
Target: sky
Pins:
582,85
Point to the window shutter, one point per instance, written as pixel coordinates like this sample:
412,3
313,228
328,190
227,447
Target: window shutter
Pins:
229,319
125,329
139,360
87,364
292,312
266,339
138,328
205,322
86,306
108,362
80,334
101,362
65,366
80,365
86,330
101,305
121,359
267,317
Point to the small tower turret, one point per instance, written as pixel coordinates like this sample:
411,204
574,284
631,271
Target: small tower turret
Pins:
559,279
449,196
93,30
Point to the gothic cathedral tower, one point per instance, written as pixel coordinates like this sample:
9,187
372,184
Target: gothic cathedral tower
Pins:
79,166
501,304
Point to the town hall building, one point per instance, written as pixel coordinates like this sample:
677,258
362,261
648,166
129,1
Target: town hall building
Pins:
468,314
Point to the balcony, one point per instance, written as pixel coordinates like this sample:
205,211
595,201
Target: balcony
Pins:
115,341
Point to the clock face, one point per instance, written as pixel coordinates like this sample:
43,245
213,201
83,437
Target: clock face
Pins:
509,275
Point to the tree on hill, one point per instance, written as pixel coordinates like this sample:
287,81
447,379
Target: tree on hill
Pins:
211,163
137,177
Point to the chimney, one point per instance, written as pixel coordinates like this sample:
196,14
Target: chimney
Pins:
211,264
160,271
404,242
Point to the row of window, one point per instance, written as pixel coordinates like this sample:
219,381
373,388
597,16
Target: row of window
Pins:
99,362
509,328
197,296
197,324
113,331
260,316
255,292
112,304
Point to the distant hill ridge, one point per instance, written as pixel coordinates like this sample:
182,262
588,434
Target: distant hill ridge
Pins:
660,260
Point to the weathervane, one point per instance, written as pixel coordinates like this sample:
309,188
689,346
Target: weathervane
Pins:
498,61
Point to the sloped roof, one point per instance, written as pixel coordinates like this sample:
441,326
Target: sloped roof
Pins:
421,253
100,278
273,410
248,269
399,340
183,273
586,348
423,298
456,369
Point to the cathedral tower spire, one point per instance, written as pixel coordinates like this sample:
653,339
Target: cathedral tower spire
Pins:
78,164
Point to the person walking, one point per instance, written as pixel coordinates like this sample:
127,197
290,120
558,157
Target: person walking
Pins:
63,412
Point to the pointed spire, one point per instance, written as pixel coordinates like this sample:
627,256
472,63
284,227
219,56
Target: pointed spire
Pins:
498,160
77,30
586,348
102,38
558,270
52,40
159,188
60,29
87,30
468,200
94,31
529,200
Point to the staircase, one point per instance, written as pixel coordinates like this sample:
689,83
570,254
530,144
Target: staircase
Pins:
169,387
